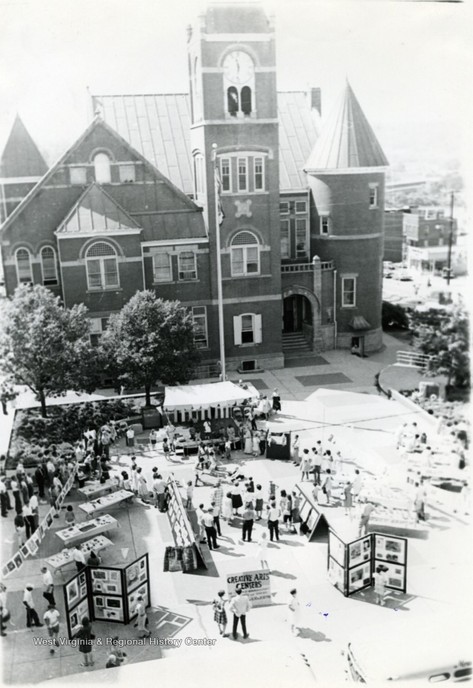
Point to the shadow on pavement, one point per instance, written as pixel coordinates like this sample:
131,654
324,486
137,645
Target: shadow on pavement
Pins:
316,636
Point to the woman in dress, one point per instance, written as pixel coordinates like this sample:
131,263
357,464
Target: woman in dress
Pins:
134,478
262,548
259,502
283,504
328,485
248,441
295,517
255,442
220,615
237,501
227,507
286,514
140,609
380,584
142,485
348,500
294,612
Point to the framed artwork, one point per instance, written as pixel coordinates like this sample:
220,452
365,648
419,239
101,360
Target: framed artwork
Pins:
336,574
9,567
24,551
32,545
305,511
61,499
99,601
18,559
49,519
312,520
337,548
132,575
98,574
359,577
77,614
359,551
390,548
395,576
42,528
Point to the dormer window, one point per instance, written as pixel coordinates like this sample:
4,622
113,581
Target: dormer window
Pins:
102,168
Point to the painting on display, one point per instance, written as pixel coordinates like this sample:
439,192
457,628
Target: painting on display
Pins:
133,598
389,548
18,559
359,577
72,592
359,551
305,511
312,520
337,548
395,576
109,608
106,581
136,574
77,614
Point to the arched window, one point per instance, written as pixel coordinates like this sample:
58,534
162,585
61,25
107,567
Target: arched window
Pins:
102,168
232,101
49,265
246,100
102,266
245,254
23,266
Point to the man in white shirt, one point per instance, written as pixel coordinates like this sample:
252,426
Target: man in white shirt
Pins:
159,489
240,605
356,485
32,618
210,530
51,619
79,558
274,514
48,583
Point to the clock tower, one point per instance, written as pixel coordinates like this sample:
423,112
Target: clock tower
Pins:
232,74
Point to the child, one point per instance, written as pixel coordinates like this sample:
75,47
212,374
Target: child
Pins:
153,438
228,450
189,494
380,584
166,449
220,615
263,545
70,516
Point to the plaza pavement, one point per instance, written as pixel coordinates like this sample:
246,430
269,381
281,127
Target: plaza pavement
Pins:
438,573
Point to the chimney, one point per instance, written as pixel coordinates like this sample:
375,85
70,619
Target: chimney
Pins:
316,100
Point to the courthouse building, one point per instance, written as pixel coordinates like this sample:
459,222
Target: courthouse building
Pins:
132,205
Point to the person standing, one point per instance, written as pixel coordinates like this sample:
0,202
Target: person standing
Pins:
365,517
48,583
259,502
15,488
79,558
317,461
327,486
248,441
294,612
210,530
159,488
217,498
295,451
216,516
93,560
255,442
142,622
419,501
51,619
85,638
237,501
199,512
248,521
306,465
32,618
4,498
273,520
240,605
130,438
20,529
356,485
220,615
348,500
262,550
380,581
142,485
29,520
262,442
227,507
276,399
4,613
153,438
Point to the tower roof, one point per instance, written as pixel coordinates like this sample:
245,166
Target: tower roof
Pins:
21,156
236,17
347,141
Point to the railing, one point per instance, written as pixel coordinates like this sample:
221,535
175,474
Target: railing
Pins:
306,267
412,360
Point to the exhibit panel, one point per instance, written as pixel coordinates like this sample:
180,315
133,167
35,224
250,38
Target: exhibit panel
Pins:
391,552
313,523
77,601
182,531
106,588
136,582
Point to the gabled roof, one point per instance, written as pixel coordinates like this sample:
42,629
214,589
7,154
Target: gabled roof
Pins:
96,211
21,156
347,140
98,122
158,125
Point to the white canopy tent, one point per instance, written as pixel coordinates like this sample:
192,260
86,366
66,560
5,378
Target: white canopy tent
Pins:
220,396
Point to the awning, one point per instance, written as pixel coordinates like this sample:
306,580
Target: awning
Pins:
197,397
358,322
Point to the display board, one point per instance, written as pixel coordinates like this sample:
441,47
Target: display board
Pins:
181,528
107,593
313,523
278,445
351,564
255,584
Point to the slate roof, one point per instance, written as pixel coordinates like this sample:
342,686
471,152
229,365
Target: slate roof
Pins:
21,156
96,211
347,140
158,126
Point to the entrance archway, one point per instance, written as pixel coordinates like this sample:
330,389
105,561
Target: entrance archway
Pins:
301,318
297,313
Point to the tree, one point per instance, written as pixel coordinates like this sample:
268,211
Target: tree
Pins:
46,346
444,335
149,340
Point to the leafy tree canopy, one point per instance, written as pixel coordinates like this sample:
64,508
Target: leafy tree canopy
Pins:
444,335
150,340
44,345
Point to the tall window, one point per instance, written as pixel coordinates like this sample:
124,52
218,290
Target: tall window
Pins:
78,175
233,101
284,208
247,329
199,316
300,207
373,195
102,167
127,173
225,174
23,266
348,291
102,266
49,266
285,242
324,225
187,265
199,175
242,164
246,100
162,268
245,254
301,238
259,174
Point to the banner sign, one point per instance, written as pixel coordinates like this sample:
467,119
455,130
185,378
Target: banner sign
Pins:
255,584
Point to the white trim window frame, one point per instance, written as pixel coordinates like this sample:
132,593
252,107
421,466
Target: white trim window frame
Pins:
127,172
348,291
162,267
304,207
102,268
199,318
226,174
373,196
259,179
285,237
302,243
284,207
102,168
242,175
247,329
24,271
187,266
324,225
245,257
49,269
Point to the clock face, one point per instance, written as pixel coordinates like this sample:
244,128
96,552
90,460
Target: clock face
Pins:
238,67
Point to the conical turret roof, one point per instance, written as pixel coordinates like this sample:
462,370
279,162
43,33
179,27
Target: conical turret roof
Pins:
347,141
21,156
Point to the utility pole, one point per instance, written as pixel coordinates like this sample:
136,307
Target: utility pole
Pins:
450,239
